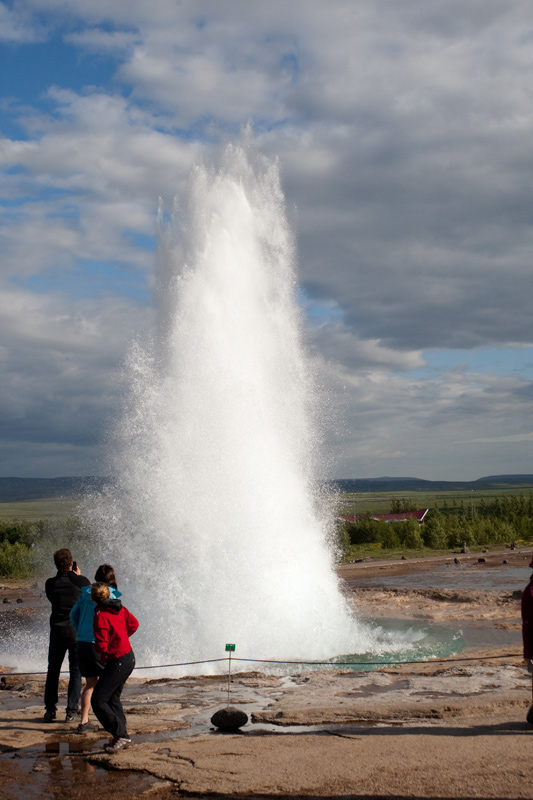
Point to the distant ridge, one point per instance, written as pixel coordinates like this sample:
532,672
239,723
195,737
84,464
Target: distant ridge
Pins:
17,490
387,484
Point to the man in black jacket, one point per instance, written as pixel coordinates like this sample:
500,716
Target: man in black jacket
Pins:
63,590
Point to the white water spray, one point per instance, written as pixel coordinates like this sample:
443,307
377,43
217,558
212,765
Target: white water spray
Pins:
213,527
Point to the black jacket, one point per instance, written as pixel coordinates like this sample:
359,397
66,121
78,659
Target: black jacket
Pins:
63,590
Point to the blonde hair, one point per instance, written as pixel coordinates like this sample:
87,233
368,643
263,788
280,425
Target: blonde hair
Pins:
100,592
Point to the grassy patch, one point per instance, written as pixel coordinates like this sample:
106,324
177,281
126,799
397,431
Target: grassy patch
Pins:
374,551
34,510
380,502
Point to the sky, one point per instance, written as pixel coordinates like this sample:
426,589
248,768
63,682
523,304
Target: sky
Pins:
403,134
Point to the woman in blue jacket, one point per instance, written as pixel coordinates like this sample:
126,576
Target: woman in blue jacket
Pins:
82,616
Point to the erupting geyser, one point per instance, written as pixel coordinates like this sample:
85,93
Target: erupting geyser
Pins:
212,524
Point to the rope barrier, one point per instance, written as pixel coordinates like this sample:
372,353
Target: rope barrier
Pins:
332,664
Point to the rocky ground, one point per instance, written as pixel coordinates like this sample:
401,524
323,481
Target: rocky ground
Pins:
447,729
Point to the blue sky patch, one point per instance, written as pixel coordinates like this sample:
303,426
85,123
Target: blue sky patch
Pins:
29,70
517,361
90,279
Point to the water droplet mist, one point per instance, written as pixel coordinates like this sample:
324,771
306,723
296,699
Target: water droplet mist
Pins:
213,525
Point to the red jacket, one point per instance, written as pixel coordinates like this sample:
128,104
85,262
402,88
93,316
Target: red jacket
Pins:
527,619
112,626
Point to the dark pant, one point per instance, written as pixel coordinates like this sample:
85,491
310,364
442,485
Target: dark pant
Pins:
106,696
89,666
61,642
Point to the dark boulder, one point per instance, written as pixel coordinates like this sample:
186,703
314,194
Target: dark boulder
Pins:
229,719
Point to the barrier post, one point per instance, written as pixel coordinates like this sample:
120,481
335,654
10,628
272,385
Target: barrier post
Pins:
230,648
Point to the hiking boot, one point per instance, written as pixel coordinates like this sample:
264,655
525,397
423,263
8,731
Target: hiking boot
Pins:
70,716
49,716
87,727
117,744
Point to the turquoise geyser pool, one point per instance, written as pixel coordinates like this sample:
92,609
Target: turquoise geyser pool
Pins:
394,641
404,641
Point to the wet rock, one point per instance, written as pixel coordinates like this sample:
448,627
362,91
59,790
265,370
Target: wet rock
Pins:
229,719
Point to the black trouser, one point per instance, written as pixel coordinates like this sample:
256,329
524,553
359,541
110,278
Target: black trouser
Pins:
61,641
106,696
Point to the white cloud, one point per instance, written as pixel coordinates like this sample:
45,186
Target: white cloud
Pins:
519,437
97,40
17,27
395,425
405,154
339,342
58,377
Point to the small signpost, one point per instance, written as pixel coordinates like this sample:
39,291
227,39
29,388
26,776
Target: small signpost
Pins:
230,648
229,719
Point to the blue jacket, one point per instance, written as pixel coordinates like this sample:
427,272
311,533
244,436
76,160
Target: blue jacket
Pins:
82,614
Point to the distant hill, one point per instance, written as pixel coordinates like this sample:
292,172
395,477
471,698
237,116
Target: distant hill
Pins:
16,490
419,485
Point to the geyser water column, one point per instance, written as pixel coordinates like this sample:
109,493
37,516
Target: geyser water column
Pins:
212,525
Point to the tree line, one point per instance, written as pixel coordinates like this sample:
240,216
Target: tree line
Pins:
499,521
26,548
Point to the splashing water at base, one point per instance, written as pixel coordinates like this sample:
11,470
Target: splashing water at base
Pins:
212,524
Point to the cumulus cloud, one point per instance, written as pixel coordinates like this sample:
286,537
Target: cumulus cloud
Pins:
400,425
403,134
58,388
16,26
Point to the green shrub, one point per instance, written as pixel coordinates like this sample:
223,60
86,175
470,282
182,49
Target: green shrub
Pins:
365,531
434,533
342,541
16,560
389,537
15,530
409,534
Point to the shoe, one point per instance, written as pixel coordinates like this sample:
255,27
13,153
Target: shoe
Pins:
117,744
87,727
49,716
70,716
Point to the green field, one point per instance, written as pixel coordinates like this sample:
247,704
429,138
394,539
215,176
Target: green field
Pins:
380,502
483,518
33,510
347,504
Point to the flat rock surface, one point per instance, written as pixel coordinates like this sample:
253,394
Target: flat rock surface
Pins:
444,729
476,759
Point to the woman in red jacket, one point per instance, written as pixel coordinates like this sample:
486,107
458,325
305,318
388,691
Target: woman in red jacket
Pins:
113,625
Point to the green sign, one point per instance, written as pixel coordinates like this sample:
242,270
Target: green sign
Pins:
230,647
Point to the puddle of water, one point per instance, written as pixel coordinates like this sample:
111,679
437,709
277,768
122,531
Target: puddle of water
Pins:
61,770
483,635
